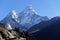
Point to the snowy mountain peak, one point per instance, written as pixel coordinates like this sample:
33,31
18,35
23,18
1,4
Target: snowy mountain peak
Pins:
14,14
29,10
27,18
30,7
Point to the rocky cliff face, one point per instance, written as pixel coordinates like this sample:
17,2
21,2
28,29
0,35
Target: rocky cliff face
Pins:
13,34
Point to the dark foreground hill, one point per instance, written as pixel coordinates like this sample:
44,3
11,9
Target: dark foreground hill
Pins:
14,34
48,31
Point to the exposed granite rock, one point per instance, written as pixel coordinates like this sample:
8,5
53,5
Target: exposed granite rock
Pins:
14,34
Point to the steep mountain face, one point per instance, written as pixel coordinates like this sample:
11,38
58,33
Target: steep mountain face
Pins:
27,18
11,20
50,32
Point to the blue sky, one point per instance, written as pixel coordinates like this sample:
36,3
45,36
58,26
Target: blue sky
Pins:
50,8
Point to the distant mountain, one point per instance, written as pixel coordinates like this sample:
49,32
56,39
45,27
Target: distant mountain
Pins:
12,20
27,18
49,31
43,24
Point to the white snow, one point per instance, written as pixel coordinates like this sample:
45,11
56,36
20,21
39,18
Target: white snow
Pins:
17,20
30,7
8,26
14,15
34,11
